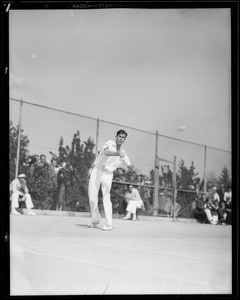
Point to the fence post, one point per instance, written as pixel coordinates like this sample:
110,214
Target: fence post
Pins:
156,178
97,136
204,171
174,186
19,138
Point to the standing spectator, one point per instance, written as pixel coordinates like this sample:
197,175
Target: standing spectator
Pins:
228,194
221,192
215,195
27,162
228,209
43,161
54,168
199,211
64,180
134,202
20,192
146,195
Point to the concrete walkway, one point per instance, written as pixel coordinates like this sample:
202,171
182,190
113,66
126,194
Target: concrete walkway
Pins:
59,255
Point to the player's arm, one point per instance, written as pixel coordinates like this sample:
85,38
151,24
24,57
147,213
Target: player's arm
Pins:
109,152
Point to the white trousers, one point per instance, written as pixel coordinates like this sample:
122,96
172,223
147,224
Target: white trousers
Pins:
100,177
15,198
210,217
133,205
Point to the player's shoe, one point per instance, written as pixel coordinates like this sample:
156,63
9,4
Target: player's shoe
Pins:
31,213
134,219
107,227
94,224
14,212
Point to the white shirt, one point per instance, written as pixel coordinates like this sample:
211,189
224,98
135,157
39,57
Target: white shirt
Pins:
17,186
216,197
107,162
134,195
227,195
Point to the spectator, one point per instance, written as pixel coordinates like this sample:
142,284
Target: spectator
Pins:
217,208
146,195
199,211
212,215
43,161
228,210
64,180
221,192
27,162
119,175
228,194
215,195
54,169
20,192
134,202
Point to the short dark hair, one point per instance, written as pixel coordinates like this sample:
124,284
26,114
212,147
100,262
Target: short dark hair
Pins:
121,131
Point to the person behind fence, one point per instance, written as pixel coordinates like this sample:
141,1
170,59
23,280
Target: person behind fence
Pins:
134,202
110,157
63,182
199,211
228,210
54,169
227,194
19,192
215,195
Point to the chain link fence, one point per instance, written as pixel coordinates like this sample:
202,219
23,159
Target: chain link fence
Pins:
160,160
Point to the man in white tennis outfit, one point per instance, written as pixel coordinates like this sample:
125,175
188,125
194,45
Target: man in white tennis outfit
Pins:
101,174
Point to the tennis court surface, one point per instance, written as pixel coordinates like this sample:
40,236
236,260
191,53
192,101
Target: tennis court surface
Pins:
60,255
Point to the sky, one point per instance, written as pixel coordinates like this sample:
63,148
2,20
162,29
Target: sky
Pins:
165,70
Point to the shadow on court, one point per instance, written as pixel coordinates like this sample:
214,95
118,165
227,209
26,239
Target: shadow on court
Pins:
60,255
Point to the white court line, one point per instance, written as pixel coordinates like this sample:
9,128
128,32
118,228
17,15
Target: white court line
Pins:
160,253
122,269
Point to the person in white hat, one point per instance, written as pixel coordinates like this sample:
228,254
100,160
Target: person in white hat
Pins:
20,192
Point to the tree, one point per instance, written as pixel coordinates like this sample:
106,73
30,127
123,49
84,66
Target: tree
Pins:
187,178
224,177
13,142
80,156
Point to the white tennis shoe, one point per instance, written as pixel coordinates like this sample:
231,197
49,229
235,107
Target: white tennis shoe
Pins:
107,228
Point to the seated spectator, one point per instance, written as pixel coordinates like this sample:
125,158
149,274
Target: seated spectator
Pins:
217,208
20,192
228,210
134,202
228,194
210,211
